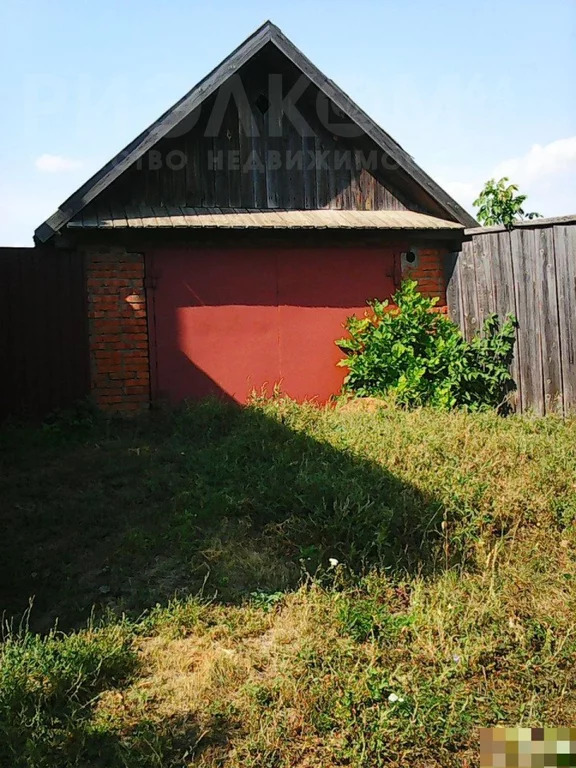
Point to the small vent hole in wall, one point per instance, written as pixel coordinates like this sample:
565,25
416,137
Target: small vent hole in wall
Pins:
410,259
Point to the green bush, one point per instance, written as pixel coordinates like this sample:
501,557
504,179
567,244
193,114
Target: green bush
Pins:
419,357
48,688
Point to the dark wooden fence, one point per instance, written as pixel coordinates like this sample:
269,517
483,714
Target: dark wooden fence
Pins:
529,271
43,331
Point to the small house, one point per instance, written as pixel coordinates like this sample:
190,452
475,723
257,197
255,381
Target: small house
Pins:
226,245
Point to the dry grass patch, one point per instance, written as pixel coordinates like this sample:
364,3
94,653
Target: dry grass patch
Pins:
373,672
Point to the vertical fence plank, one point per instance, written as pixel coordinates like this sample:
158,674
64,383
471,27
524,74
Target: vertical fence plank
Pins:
453,298
6,325
467,279
20,328
55,385
565,260
39,323
485,300
504,288
524,261
548,319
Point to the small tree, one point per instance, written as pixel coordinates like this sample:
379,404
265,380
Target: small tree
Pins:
498,203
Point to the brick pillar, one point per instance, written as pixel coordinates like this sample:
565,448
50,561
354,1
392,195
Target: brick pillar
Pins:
430,274
118,330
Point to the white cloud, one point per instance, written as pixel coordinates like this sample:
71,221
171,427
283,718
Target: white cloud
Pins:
545,173
57,163
540,162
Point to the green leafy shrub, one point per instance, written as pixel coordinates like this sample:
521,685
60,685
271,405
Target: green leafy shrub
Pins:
419,357
48,688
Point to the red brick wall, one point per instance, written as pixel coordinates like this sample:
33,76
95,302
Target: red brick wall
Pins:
119,359
430,274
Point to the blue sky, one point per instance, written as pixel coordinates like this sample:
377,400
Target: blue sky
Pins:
469,90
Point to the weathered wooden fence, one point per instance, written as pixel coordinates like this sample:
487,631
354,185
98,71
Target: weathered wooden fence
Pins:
43,331
529,271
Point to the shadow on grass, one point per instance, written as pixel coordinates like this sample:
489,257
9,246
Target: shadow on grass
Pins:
126,514
171,742
141,744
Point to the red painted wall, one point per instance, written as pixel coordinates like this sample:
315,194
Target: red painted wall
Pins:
229,321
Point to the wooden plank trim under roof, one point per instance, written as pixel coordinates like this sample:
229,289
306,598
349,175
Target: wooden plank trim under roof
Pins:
177,216
147,215
133,218
262,219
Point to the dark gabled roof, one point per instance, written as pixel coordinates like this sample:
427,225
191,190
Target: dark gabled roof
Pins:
267,33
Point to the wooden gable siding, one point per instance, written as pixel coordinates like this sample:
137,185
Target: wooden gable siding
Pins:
232,170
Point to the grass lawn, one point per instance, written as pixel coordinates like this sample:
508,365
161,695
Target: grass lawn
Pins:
284,585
